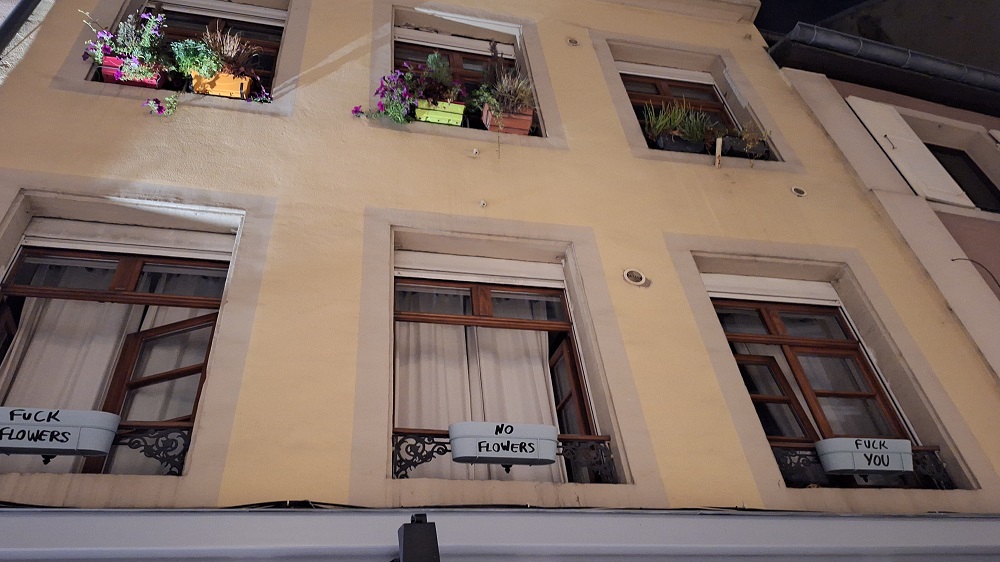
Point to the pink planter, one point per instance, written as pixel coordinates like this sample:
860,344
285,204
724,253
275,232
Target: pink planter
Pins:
110,66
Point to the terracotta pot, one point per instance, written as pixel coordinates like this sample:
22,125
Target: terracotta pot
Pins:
511,123
222,84
444,113
110,66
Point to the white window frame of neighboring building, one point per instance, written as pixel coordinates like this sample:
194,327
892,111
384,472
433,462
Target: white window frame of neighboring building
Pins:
903,134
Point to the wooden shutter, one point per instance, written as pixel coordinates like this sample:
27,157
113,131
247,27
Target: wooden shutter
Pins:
916,164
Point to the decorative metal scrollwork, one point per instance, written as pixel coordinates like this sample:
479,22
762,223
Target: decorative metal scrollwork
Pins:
589,461
169,446
410,450
801,468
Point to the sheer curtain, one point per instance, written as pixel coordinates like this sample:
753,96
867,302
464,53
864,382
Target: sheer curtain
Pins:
62,357
446,374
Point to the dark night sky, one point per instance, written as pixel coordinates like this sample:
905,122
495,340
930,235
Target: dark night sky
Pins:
781,15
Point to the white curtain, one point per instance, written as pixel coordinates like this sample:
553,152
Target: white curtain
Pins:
446,374
61,357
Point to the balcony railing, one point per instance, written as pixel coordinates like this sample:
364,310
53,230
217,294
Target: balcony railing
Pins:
800,466
587,458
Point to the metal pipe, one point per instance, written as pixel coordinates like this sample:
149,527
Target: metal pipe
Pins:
14,21
891,55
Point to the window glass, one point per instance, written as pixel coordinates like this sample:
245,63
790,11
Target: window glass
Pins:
855,417
812,326
760,380
182,280
527,306
174,351
831,373
163,401
779,420
438,300
66,273
739,321
969,176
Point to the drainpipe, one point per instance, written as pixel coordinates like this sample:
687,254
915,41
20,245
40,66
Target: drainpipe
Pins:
898,57
12,24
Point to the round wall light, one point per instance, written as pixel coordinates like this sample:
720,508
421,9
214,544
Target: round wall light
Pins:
634,277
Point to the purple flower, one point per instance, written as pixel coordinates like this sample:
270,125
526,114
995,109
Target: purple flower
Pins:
104,35
145,16
86,55
381,107
106,50
155,32
357,111
118,74
160,110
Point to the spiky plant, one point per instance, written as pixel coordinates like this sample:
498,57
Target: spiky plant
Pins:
236,54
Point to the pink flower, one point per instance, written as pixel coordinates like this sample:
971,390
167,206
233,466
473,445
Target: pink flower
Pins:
357,111
381,107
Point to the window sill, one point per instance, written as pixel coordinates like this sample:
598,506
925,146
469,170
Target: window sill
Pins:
730,162
282,104
466,133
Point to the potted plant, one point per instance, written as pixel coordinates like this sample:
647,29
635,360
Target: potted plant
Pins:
194,58
748,142
437,94
507,102
677,128
132,54
235,74
425,93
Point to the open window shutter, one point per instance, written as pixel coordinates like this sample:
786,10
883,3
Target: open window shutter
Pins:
917,165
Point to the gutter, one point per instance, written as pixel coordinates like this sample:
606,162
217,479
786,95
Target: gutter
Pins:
14,21
896,57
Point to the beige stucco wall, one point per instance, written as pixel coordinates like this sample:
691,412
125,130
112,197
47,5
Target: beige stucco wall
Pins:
302,404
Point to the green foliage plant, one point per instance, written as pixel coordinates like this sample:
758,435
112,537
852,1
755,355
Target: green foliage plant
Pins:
663,120
197,56
137,40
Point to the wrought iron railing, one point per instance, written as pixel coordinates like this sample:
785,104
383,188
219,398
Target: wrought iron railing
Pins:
800,466
587,458
169,445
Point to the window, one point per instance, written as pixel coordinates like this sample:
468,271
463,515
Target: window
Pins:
120,332
468,44
713,106
969,176
259,23
810,378
468,348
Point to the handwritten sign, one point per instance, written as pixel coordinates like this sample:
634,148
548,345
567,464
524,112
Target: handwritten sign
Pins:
56,432
503,443
847,455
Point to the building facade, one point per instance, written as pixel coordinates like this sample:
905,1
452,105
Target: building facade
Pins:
283,301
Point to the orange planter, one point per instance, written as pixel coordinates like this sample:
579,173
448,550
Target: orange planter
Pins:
511,123
222,84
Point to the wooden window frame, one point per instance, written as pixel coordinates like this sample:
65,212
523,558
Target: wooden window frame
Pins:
792,347
122,290
665,96
481,315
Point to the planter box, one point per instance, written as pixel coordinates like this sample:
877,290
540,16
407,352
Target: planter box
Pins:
849,455
677,144
110,65
503,443
733,146
56,432
222,84
511,123
444,113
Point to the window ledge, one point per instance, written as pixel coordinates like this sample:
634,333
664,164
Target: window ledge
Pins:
728,162
466,133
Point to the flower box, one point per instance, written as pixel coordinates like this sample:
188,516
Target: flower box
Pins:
512,123
735,146
110,67
677,144
445,113
222,84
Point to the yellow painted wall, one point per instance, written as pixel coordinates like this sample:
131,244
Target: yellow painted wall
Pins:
292,431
